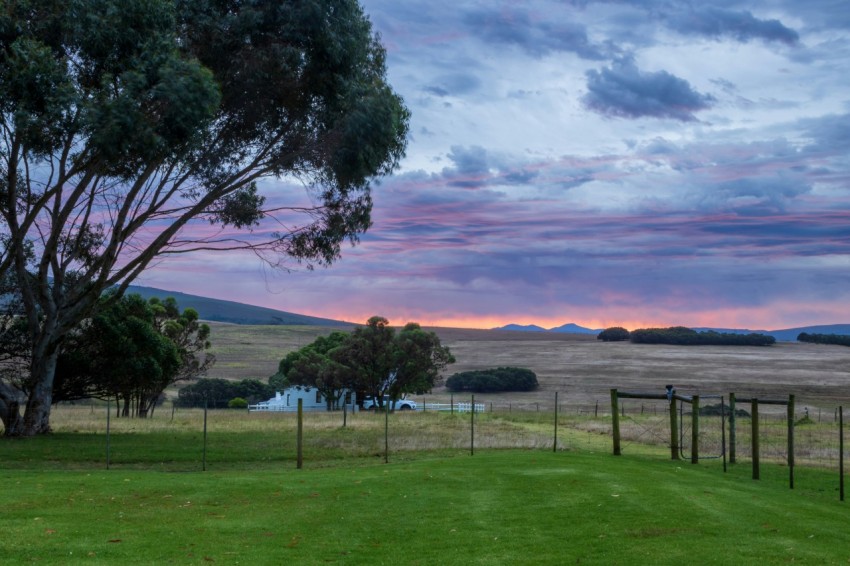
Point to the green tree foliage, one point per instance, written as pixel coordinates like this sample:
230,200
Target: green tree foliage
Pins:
368,352
237,403
278,381
682,336
373,360
316,365
836,339
419,358
125,122
613,334
217,393
119,353
188,333
99,356
493,380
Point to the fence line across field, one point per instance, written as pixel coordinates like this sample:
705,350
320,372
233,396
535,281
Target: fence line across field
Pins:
634,422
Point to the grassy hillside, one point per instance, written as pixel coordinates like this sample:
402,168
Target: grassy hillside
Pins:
236,313
581,368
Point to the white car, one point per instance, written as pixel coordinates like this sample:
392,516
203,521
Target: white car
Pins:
369,404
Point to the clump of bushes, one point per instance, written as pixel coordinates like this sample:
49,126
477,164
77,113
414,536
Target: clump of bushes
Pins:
837,339
217,393
237,403
493,380
682,336
613,334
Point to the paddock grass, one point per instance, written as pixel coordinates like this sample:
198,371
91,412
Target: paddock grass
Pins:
496,507
515,501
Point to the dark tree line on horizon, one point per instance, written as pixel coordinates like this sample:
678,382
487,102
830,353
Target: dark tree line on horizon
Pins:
836,339
683,336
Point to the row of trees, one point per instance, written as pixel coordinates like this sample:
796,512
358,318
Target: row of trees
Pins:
129,349
374,360
217,393
683,336
680,335
124,123
837,339
493,380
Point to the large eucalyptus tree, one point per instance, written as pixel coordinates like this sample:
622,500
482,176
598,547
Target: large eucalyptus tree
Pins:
123,122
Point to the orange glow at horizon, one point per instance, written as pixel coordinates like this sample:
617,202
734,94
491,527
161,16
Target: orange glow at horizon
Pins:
487,322
754,318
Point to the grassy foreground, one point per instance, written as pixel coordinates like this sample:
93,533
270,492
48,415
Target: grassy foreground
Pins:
497,507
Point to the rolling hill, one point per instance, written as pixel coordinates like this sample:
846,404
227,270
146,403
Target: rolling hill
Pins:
216,310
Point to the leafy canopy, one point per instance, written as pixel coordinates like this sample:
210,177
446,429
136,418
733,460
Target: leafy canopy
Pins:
373,360
127,124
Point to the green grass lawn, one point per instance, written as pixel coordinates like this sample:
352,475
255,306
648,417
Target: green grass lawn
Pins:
496,507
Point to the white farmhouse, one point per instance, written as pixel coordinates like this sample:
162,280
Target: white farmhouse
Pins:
311,399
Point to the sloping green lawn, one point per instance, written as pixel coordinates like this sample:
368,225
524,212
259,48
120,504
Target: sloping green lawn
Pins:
497,507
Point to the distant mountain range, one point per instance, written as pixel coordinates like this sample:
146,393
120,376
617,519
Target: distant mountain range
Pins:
784,335
216,310
569,327
239,313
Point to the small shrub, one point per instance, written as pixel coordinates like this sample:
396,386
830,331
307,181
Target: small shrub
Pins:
493,380
237,403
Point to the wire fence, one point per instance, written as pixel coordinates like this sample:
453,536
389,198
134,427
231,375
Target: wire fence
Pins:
189,438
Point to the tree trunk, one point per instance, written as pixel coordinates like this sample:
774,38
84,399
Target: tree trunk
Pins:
36,418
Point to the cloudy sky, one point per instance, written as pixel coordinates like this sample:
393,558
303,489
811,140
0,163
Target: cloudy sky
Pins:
610,163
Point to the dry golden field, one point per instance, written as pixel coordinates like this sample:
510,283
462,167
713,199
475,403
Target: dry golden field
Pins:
582,369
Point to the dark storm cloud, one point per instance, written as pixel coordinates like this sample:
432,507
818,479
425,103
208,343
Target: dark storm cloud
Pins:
474,166
537,34
622,90
717,23
456,84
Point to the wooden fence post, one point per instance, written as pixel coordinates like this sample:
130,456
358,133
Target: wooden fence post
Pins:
555,444
674,429
108,410
299,437
841,452
732,435
695,429
755,434
791,442
472,427
615,421
204,466
723,430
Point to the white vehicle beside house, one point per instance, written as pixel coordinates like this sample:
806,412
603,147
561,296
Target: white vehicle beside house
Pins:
369,404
